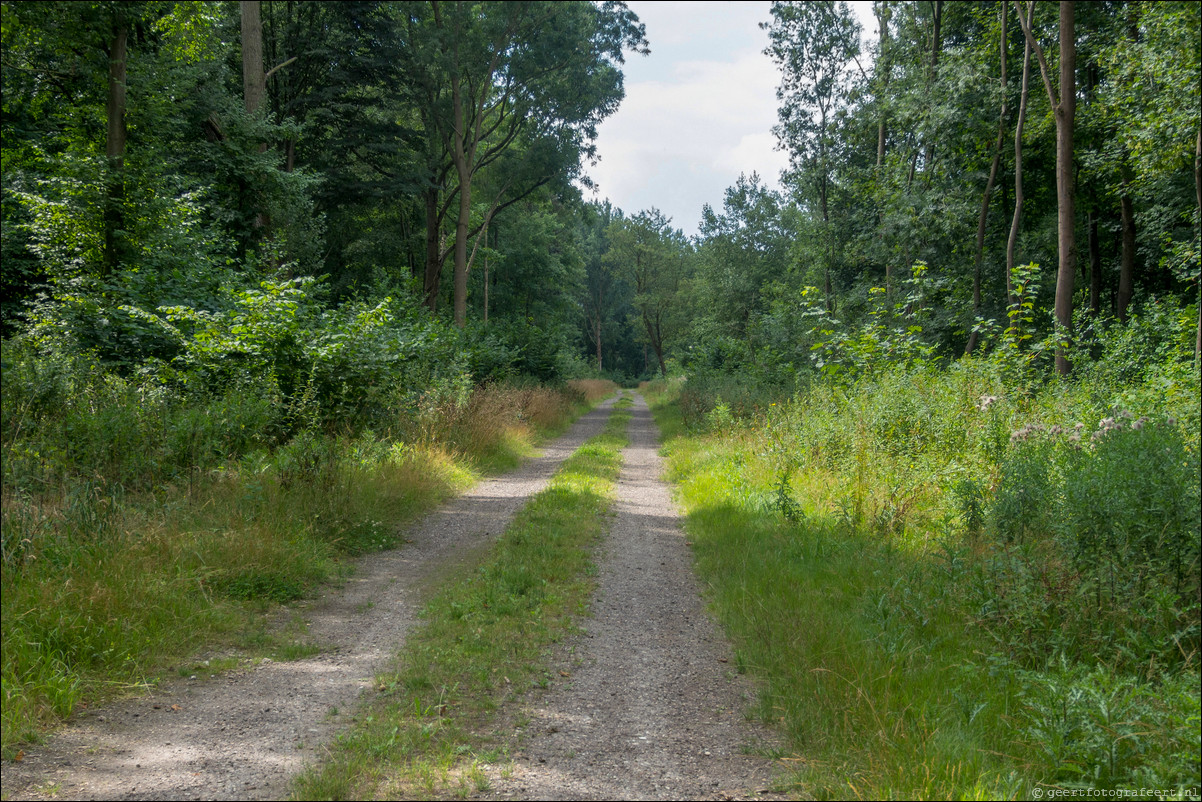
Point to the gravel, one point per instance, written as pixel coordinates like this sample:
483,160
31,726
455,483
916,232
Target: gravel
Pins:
653,710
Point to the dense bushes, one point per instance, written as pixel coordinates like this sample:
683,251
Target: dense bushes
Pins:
1096,536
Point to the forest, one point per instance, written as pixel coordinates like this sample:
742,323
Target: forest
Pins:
276,273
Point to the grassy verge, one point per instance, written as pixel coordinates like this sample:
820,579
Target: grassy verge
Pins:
485,639
104,589
845,537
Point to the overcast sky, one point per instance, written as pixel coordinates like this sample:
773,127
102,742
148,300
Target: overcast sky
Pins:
698,111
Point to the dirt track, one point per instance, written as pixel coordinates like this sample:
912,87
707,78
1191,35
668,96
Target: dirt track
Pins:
652,712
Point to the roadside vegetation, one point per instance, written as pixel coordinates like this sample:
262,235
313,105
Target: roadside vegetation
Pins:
140,529
486,638
238,342
958,581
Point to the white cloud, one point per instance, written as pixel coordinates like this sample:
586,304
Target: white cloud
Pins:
698,112
689,127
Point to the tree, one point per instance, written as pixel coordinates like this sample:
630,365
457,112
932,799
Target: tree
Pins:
1063,101
814,44
653,257
745,247
601,281
1152,102
993,170
500,73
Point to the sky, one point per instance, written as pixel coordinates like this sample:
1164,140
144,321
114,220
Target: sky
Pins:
698,111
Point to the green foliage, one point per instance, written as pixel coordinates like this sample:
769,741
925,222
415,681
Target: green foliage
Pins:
1048,580
1095,729
69,417
1098,554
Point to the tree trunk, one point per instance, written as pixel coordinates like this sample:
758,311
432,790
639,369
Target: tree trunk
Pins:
1016,220
462,156
114,149
936,47
981,222
461,226
1095,266
1198,190
883,14
1066,217
1127,262
828,289
254,80
657,344
597,336
1095,251
433,275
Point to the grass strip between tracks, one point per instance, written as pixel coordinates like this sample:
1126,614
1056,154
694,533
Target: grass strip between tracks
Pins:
485,639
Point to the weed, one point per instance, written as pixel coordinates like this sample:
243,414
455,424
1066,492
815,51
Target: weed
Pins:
137,527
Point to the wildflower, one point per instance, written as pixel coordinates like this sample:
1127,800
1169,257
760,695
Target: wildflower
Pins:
1125,414
1055,430
986,402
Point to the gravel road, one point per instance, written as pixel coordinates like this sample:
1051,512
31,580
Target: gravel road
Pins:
243,734
652,709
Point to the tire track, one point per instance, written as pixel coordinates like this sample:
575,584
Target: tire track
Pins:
655,710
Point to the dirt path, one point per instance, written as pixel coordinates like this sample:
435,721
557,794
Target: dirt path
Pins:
654,709
244,734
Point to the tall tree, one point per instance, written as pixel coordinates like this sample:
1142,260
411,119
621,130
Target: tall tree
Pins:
1063,100
979,256
746,246
654,258
507,72
254,82
814,44
114,148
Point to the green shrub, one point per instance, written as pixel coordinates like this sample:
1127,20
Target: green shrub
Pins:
1092,728
1096,544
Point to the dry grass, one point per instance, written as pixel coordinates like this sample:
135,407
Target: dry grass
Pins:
593,390
495,424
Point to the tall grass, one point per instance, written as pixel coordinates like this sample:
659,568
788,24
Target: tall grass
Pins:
138,530
855,542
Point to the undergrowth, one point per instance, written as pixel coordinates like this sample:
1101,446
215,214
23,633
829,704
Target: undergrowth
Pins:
953,585
484,639
139,530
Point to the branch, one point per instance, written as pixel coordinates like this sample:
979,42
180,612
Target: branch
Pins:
1043,64
278,67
